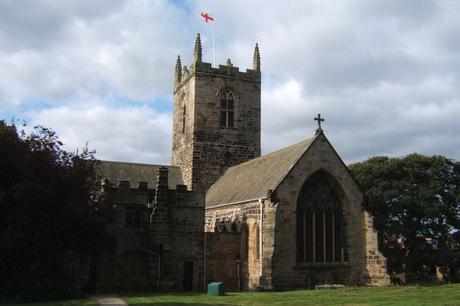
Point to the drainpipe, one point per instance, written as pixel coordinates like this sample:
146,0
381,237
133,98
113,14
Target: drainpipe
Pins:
159,267
204,261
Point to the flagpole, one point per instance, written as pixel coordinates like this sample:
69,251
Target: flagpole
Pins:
206,19
213,44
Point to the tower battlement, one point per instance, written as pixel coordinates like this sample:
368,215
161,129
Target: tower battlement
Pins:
141,194
223,70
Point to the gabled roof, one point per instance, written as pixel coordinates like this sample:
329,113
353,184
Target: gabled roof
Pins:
252,180
135,173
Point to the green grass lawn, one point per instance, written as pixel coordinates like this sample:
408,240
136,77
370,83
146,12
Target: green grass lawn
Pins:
404,295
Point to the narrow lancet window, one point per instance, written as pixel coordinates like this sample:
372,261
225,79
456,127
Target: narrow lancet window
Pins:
183,118
227,109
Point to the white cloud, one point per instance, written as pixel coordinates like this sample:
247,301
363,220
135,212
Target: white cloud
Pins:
385,74
135,134
81,53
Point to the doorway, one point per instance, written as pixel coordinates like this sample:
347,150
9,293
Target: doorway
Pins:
187,284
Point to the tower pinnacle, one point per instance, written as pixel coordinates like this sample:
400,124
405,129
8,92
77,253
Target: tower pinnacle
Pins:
178,74
256,59
197,53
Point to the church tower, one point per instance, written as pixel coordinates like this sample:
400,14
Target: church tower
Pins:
216,121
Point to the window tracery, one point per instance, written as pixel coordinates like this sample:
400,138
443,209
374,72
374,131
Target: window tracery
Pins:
319,221
227,108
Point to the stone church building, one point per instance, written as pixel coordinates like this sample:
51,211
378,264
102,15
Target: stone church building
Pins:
293,218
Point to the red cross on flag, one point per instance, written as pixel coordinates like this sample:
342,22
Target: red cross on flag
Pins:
206,17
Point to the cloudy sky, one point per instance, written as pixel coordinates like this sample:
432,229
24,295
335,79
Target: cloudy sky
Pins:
384,74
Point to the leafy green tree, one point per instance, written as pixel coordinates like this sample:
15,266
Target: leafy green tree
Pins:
50,219
415,202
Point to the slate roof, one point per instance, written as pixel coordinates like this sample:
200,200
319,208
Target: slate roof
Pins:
252,179
135,173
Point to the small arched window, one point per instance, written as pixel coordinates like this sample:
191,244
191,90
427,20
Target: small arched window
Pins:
228,159
227,109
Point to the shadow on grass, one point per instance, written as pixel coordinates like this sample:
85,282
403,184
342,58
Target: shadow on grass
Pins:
425,284
421,283
174,303
178,304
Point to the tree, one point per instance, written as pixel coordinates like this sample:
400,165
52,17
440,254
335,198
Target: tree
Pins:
50,219
415,202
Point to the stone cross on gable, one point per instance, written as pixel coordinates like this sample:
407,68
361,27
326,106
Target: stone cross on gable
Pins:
319,119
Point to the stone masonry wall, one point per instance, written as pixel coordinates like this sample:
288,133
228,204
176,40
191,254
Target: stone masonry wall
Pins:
223,259
287,273
172,228
375,265
205,150
241,218
183,128
111,272
177,234
280,269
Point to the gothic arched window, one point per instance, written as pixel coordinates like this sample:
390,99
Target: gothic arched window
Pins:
319,221
227,108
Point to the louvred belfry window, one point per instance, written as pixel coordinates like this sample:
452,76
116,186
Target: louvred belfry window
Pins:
227,109
319,221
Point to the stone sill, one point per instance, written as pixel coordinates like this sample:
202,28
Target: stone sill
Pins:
321,265
233,129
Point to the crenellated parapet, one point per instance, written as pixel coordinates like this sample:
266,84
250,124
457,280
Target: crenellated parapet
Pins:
123,193
198,67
